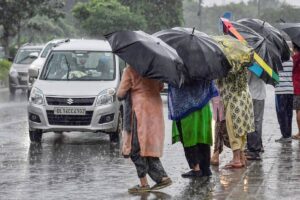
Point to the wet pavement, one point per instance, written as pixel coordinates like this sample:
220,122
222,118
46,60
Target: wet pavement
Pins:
87,166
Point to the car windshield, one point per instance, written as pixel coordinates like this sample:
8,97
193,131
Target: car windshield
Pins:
47,49
79,66
24,57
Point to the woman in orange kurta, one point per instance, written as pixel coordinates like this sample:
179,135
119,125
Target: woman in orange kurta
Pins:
148,128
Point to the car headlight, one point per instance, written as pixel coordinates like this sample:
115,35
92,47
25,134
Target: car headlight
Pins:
106,97
36,96
13,72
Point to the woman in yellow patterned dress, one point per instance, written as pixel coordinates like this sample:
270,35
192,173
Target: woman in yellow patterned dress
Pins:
236,97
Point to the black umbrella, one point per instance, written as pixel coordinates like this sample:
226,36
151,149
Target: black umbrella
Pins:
271,33
201,55
263,47
148,55
293,30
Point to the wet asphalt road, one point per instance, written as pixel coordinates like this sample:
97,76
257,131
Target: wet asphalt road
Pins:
87,166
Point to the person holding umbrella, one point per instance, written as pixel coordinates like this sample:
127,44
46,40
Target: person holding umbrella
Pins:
293,31
147,129
236,97
191,114
189,105
150,62
296,83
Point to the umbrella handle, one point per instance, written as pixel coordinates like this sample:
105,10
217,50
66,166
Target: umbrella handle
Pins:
193,31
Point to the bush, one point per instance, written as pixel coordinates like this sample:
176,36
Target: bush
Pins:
4,70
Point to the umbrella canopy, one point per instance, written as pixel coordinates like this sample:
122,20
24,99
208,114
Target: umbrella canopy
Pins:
270,33
293,30
148,55
201,55
267,55
238,54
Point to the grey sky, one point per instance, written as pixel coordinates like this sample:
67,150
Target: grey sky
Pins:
211,2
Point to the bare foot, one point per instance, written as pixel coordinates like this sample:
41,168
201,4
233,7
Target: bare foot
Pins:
215,159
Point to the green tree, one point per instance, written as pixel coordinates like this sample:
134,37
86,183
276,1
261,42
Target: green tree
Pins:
269,10
159,14
103,16
15,13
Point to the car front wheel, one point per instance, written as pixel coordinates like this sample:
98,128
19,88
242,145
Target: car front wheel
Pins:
12,90
116,136
35,135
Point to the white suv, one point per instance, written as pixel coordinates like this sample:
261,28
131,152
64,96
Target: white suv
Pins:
76,90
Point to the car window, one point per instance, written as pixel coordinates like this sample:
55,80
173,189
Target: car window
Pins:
79,66
47,49
23,56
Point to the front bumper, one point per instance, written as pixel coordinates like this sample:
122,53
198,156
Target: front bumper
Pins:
19,82
94,126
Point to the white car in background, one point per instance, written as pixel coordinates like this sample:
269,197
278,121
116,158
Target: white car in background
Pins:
18,74
76,91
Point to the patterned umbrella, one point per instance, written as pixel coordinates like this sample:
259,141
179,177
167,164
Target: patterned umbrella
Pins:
266,55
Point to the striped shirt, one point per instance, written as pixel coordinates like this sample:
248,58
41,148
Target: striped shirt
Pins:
285,85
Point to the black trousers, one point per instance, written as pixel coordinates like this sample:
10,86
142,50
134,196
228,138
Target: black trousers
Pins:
197,154
284,110
254,139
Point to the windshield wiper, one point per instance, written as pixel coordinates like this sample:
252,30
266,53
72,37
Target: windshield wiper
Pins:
68,67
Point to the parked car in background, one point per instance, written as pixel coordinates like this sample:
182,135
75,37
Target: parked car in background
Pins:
2,53
76,91
18,74
38,63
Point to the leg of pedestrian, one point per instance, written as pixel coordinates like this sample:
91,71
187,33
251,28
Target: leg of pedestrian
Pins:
283,111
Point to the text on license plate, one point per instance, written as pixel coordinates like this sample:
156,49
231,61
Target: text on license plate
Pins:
24,78
69,111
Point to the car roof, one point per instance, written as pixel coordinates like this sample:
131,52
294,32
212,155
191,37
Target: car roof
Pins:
83,45
32,46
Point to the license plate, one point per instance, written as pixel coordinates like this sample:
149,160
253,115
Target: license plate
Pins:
24,78
69,111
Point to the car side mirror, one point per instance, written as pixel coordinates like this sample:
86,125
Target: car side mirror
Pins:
10,59
34,55
33,72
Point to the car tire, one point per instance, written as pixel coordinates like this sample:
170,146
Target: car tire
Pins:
116,136
35,135
12,90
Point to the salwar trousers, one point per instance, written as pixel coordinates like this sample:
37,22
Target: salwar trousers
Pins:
221,136
145,165
236,142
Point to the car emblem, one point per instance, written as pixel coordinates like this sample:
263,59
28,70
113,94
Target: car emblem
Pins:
70,101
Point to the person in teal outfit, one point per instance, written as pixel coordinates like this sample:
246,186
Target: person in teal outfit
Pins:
191,114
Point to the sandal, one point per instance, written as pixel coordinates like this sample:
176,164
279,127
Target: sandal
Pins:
296,137
162,184
139,189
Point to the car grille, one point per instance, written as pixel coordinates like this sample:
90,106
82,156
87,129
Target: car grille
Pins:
69,120
70,101
21,75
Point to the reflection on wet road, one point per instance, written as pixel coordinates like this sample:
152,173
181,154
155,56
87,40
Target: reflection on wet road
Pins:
87,166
